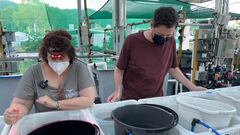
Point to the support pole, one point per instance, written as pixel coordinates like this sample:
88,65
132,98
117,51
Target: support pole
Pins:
180,38
1,44
119,19
194,57
81,47
88,27
2,54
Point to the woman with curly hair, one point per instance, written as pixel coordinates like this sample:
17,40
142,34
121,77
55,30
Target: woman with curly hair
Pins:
57,83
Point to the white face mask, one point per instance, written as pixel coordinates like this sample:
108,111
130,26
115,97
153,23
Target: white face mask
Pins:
59,67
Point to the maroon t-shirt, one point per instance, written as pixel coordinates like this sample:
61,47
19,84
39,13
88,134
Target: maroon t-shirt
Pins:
145,65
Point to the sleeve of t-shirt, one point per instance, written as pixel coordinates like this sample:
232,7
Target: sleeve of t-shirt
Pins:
85,78
25,87
175,61
124,55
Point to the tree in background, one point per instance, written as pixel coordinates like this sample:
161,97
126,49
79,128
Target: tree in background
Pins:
32,45
35,18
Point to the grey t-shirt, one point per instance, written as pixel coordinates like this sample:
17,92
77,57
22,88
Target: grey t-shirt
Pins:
78,78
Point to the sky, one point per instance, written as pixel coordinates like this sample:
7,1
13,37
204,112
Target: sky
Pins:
234,5
72,4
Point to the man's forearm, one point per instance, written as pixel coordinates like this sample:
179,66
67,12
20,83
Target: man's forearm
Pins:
177,74
118,75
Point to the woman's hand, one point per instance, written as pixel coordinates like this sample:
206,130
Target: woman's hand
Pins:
11,115
18,108
46,101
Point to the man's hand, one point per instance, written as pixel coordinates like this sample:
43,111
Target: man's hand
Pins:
11,115
115,96
46,101
198,88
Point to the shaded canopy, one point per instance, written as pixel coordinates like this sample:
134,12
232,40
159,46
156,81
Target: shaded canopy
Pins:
145,8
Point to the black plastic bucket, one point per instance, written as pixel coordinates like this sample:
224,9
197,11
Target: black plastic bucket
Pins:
69,127
175,115
144,119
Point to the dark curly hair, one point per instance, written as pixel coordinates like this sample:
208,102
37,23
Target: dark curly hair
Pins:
58,40
166,16
62,33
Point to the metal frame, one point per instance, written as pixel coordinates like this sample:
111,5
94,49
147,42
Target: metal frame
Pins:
119,20
1,44
79,26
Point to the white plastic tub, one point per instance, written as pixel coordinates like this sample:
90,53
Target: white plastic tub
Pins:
2,123
170,101
34,121
6,129
231,97
102,114
214,113
233,129
211,94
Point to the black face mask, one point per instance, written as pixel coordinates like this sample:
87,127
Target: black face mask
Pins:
159,40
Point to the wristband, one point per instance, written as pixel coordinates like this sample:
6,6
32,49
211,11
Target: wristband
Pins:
57,105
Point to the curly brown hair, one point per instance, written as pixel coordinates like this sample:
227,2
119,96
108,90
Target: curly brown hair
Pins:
58,40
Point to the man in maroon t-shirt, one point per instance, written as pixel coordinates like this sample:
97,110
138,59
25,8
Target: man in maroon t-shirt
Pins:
145,59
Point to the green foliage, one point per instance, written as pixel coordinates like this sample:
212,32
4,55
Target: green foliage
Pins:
7,17
97,48
34,18
109,44
60,19
31,18
24,65
32,45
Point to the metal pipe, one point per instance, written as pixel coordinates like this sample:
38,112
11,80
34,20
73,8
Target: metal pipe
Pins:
220,7
119,19
225,5
194,57
115,15
122,24
194,24
138,23
217,5
1,43
88,27
36,58
79,12
79,26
